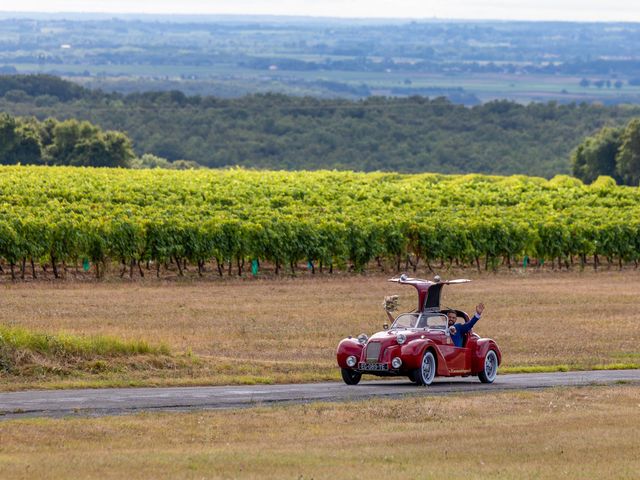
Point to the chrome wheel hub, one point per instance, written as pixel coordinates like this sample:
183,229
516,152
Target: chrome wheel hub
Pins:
491,365
428,368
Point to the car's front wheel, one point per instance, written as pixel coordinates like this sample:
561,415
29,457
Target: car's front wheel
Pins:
351,377
490,370
425,374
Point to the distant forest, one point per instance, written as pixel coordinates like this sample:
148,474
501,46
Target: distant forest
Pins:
414,134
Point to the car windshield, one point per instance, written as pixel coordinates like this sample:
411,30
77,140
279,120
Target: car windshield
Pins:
433,321
425,320
405,320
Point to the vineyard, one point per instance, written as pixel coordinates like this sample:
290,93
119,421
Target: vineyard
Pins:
239,222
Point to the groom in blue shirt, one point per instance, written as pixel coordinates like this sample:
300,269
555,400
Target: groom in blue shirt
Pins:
458,331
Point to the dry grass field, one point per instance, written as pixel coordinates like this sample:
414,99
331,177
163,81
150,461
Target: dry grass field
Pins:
283,330
576,433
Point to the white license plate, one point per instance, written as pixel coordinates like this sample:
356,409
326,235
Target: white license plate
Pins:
373,367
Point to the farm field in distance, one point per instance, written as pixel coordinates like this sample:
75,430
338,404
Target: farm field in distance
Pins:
576,433
286,330
467,61
480,87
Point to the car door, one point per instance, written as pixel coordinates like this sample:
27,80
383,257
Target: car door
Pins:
456,357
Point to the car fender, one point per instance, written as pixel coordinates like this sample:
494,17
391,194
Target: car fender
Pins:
412,353
482,348
346,348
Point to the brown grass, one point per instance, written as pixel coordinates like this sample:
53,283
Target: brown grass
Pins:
562,433
281,330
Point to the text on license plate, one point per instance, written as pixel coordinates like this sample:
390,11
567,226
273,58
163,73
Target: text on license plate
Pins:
373,366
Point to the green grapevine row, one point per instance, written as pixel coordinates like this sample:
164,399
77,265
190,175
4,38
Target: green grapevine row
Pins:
55,215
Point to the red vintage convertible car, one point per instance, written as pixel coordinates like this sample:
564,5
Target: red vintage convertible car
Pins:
418,344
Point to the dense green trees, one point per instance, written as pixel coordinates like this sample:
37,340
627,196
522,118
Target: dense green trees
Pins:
628,160
272,131
277,131
82,144
20,141
613,152
42,85
71,142
597,155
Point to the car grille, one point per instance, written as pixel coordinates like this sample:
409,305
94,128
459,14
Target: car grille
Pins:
373,351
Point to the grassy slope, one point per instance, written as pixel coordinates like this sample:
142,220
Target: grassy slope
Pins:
569,433
28,357
286,330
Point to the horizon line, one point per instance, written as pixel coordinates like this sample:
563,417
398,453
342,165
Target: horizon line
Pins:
308,17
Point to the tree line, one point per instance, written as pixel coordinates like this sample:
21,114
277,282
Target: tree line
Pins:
273,131
70,142
613,151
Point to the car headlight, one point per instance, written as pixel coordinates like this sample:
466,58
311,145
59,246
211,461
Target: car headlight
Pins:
396,362
362,338
351,361
401,338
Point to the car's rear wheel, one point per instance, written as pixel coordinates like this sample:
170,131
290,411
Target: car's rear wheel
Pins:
490,370
351,377
425,374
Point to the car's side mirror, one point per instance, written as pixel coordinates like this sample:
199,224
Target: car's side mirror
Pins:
385,326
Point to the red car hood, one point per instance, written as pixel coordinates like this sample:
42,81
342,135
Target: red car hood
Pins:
389,337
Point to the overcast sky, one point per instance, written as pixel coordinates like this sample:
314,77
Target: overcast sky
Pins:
581,10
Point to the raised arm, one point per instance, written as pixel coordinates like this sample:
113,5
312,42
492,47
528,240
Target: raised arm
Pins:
465,327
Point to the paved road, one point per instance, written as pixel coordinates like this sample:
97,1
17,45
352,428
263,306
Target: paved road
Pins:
55,403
